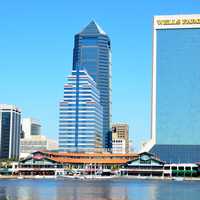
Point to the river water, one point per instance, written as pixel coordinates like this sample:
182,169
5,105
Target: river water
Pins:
115,189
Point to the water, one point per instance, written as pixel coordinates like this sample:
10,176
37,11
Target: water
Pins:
124,189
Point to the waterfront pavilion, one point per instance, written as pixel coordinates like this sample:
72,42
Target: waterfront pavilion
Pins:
145,164
38,164
42,162
90,161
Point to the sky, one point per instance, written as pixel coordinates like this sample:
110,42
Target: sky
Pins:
36,43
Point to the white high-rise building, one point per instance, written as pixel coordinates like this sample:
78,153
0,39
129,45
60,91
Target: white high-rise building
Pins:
119,146
30,127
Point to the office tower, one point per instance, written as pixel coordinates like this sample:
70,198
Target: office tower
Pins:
176,88
10,118
92,50
80,125
120,137
30,127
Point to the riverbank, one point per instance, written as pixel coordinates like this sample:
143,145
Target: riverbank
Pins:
162,178
97,178
26,177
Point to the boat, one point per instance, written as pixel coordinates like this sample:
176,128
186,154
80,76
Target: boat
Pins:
85,177
20,177
71,177
178,179
94,177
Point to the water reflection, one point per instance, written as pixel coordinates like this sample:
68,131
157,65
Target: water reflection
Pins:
3,195
90,190
97,190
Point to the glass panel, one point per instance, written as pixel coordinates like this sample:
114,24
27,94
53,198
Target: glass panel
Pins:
89,41
178,88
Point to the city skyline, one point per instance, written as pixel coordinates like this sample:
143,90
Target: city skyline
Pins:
36,50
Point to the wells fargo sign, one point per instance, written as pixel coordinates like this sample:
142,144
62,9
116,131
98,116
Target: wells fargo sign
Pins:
178,21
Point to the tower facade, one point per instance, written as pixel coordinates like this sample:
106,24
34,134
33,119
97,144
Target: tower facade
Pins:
120,133
10,130
81,115
92,49
30,127
176,88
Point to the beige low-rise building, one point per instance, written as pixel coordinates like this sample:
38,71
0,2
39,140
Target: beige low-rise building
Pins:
120,138
32,140
36,143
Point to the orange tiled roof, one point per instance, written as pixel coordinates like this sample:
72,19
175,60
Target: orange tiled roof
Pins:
60,154
88,161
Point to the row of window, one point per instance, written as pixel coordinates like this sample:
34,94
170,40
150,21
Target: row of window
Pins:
79,146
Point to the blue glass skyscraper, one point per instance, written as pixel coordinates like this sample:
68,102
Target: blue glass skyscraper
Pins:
80,121
10,130
176,88
92,49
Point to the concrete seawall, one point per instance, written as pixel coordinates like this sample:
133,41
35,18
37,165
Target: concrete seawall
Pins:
115,177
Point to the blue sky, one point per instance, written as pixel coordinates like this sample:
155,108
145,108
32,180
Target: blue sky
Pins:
36,42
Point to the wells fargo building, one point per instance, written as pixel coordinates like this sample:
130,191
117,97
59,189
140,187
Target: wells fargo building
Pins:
176,88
